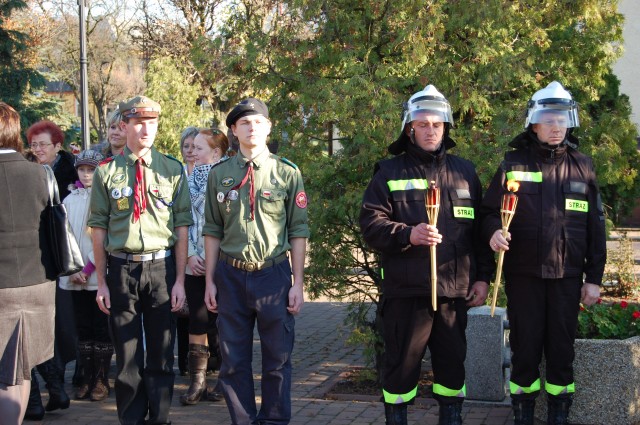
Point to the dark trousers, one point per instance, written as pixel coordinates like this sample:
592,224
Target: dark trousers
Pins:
201,320
182,339
141,298
543,316
410,325
245,298
91,323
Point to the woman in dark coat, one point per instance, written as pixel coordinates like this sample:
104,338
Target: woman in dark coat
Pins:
46,141
26,310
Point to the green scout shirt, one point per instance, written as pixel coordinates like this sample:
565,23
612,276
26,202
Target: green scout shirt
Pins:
112,202
280,208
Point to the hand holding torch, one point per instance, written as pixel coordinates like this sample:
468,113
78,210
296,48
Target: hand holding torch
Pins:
507,211
432,203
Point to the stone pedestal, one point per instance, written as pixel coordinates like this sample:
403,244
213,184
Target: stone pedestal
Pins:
607,378
487,354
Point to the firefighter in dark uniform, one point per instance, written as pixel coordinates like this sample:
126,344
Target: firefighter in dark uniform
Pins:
255,216
140,214
556,250
394,221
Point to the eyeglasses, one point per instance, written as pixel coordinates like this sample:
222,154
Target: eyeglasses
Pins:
40,145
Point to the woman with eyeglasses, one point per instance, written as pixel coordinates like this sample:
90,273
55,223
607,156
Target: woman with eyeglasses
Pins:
46,141
26,292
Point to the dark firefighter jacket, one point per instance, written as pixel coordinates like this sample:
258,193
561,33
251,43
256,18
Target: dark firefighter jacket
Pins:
394,202
558,227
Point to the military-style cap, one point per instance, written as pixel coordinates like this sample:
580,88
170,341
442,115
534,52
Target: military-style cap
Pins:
139,106
89,157
249,106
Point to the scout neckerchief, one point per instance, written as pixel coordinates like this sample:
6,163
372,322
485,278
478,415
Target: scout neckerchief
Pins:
139,197
251,177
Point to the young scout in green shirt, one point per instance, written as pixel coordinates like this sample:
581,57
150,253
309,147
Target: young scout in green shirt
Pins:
140,213
255,213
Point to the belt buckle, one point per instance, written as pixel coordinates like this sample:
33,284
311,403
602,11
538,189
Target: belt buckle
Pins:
249,266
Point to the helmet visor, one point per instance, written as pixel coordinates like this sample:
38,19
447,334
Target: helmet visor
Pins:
560,112
421,108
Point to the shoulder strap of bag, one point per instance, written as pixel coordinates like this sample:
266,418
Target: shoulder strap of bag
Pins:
54,196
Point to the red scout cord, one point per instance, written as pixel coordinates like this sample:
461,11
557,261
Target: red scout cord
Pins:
252,196
139,198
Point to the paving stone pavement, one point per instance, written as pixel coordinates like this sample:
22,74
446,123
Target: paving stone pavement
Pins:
320,355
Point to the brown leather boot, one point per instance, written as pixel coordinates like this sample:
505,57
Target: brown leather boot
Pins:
198,356
102,353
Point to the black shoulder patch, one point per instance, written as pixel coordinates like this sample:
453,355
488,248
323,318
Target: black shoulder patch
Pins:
221,161
289,163
172,157
175,159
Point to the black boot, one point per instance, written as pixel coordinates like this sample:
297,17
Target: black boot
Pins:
558,410
450,414
84,369
523,411
35,409
395,414
58,398
214,394
102,353
198,357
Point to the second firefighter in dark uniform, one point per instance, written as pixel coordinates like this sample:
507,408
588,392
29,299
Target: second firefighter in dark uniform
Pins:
394,221
556,250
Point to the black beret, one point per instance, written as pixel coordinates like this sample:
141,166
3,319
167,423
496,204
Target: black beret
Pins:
249,106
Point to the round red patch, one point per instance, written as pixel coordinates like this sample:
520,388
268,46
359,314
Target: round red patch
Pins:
301,200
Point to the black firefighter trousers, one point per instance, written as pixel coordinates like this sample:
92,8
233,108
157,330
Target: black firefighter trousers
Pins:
543,317
410,325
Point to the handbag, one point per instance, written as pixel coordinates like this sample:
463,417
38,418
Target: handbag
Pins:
64,252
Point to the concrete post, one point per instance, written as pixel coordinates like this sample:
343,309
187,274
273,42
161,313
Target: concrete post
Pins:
488,354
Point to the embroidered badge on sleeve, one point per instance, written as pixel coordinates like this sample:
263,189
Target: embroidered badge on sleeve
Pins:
301,200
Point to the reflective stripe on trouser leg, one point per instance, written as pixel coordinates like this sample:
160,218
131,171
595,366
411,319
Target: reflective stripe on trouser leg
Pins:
516,389
390,398
449,392
559,389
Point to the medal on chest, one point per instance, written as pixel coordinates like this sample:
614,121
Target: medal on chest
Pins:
123,204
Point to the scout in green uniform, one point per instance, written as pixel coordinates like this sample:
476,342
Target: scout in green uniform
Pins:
140,213
255,213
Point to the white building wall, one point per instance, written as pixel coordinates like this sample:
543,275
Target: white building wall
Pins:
628,66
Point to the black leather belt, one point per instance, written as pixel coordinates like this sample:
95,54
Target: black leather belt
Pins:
251,266
141,257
